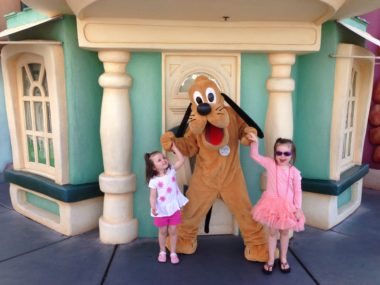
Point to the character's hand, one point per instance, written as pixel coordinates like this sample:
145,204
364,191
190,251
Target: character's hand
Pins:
167,140
174,148
250,134
154,212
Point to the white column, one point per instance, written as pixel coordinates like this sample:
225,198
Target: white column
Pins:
279,118
117,224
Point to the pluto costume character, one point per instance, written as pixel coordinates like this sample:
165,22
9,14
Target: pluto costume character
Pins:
213,136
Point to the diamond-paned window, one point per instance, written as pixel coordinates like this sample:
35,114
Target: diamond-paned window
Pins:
37,115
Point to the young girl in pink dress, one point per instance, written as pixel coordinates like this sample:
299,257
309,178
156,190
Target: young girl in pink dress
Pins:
280,205
166,199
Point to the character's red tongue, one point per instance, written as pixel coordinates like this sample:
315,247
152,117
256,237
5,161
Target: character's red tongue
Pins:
214,135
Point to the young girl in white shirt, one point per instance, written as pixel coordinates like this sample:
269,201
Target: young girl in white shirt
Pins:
166,199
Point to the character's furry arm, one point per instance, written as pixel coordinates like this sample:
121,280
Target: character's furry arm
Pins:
244,129
187,145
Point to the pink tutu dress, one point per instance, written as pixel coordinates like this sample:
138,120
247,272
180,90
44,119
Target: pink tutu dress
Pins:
282,196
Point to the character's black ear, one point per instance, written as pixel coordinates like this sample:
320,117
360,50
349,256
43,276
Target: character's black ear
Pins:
180,130
243,115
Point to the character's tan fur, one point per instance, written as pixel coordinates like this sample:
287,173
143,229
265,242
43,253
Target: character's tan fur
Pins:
215,175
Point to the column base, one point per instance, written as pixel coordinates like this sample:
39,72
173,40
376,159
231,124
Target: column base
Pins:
117,233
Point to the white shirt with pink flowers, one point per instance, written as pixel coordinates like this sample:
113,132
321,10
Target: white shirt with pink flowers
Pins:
169,198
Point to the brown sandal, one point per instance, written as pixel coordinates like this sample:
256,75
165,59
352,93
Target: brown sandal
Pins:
268,268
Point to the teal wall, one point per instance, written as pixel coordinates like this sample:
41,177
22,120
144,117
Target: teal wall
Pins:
314,101
255,71
5,144
146,104
315,90
84,95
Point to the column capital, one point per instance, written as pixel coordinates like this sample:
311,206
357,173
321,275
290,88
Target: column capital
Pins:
116,56
282,58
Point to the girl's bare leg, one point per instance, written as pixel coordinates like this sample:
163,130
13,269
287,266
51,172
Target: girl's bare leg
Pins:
173,238
272,243
162,234
284,244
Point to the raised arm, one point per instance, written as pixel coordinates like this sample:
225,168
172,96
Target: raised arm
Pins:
186,144
254,151
180,159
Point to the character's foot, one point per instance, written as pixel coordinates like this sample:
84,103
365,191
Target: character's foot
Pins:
174,258
268,268
256,252
162,257
184,246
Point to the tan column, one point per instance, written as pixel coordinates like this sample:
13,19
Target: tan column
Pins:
279,118
117,224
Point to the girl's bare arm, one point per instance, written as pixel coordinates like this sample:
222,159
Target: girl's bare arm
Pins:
152,200
179,156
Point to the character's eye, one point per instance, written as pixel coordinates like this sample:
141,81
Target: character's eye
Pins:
210,92
197,97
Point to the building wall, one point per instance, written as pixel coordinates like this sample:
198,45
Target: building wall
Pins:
6,7
146,98
373,28
313,94
315,91
312,98
5,144
84,95
255,71
146,106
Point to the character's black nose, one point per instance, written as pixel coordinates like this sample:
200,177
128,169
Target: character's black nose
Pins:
204,109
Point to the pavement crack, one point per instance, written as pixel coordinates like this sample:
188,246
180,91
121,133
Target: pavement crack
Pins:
33,250
304,267
109,264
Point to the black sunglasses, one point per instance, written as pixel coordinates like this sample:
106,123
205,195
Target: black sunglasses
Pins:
286,153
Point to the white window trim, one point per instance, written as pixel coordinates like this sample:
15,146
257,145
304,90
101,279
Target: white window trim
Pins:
346,60
52,57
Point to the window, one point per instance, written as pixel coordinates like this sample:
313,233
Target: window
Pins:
348,131
35,96
184,88
352,95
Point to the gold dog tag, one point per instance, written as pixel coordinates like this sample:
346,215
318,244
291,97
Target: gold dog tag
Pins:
225,150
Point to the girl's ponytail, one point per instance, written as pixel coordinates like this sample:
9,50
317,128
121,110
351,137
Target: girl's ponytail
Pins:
149,166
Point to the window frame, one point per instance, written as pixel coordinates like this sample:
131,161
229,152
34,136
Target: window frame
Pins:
51,57
24,62
350,58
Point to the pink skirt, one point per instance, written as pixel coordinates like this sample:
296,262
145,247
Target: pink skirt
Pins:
277,213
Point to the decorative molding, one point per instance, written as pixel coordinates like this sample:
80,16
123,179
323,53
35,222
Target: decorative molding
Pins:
99,33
